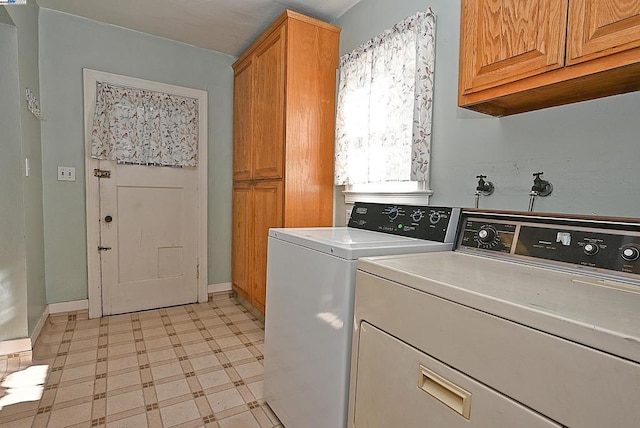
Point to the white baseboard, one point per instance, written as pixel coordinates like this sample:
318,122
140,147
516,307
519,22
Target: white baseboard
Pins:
22,345
39,325
15,346
217,288
26,344
74,305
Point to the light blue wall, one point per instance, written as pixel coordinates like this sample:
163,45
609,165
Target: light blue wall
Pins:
25,18
13,289
69,43
589,151
4,17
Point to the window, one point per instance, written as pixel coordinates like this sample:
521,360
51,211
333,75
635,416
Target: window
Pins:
383,126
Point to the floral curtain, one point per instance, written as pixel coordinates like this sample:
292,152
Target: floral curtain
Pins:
144,127
383,124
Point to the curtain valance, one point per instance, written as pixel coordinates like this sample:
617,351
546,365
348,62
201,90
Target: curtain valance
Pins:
144,127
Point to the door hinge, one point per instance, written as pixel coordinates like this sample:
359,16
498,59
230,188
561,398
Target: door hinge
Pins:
101,248
198,271
102,173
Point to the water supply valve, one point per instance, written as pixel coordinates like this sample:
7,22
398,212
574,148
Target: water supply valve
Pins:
484,188
540,186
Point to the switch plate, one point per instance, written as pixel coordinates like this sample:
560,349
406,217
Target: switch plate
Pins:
66,173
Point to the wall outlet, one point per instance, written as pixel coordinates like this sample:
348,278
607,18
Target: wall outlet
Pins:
66,173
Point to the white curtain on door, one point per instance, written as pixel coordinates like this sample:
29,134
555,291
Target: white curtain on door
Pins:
144,127
383,125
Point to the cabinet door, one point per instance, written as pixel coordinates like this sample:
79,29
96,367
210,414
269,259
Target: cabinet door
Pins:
504,41
268,119
242,121
599,28
267,196
242,237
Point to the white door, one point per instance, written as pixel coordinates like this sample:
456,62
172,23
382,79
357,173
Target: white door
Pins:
148,237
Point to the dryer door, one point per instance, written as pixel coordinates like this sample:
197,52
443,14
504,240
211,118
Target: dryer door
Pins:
399,386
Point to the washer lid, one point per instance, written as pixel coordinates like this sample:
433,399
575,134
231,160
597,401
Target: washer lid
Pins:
351,244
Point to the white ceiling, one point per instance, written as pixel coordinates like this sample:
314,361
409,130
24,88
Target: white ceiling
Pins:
227,26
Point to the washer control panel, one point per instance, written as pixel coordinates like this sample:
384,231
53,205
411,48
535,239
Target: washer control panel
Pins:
596,244
421,222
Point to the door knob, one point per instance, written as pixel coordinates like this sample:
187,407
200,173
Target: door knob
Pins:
108,219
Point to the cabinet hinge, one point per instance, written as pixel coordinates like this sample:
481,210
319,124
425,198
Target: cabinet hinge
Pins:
198,271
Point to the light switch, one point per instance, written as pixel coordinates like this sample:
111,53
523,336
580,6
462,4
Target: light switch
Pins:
66,173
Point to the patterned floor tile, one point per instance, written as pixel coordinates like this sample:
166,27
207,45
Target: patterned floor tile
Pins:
192,365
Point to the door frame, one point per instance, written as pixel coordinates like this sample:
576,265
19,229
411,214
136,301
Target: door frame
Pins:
92,191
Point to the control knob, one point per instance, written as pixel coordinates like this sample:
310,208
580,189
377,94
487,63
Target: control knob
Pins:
417,215
393,213
487,234
591,249
631,254
434,217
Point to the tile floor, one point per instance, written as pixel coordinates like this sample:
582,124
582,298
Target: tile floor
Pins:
186,366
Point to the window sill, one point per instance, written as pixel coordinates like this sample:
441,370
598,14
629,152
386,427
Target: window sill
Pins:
412,197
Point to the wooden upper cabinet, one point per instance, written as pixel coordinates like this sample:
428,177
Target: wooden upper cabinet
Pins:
523,55
504,41
599,28
242,119
268,108
258,111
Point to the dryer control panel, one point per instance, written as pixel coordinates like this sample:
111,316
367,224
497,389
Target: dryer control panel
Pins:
597,245
422,222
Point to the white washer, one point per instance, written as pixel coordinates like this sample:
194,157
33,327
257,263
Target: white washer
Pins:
309,309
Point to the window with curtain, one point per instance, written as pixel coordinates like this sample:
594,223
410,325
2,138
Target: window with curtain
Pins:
383,124
144,127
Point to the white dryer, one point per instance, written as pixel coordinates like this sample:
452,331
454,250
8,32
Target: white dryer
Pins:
310,295
533,321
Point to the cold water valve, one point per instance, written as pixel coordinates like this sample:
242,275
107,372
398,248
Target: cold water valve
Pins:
540,188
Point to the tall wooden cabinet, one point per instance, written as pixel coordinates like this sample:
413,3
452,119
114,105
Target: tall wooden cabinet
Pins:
523,55
283,142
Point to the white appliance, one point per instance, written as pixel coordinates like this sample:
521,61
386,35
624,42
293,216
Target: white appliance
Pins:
533,321
309,309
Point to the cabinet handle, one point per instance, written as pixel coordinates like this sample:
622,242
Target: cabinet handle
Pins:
445,391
